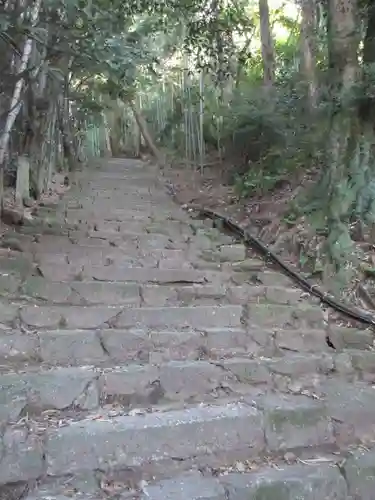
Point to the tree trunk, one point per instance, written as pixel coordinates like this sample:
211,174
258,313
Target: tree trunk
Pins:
267,44
67,143
367,105
308,43
107,137
146,135
15,104
347,186
242,57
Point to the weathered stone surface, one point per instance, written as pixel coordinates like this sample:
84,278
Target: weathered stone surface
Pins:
232,253
352,407
168,228
199,292
13,241
81,486
129,441
226,253
8,284
118,227
71,317
359,472
143,275
151,241
175,264
157,296
295,365
302,340
281,295
289,483
13,399
63,272
193,317
363,361
244,294
191,486
8,312
17,346
21,456
39,288
185,380
248,370
247,266
351,338
282,316
108,293
14,491
51,389
71,347
126,346
272,278
174,381
294,422
18,265
132,385
190,344
343,364
176,345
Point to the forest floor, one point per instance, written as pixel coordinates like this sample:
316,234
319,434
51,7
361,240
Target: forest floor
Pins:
211,189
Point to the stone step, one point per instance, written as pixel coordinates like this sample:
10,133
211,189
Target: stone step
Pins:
289,482
82,258
122,216
37,390
115,273
57,244
90,317
255,316
79,292
227,437
145,242
97,347
125,257
22,246
36,288
132,227
129,255
326,477
154,295
93,317
204,435
16,264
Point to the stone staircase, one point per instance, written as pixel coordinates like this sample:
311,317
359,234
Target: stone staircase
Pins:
145,355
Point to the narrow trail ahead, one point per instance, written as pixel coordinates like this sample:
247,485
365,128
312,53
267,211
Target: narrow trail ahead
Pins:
143,355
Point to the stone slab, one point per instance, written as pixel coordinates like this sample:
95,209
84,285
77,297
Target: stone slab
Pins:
21,456
143,275
68,317
179,317
192,486
287,483
72,347
131,441
359,471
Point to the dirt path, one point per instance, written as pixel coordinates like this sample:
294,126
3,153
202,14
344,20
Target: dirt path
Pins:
144,355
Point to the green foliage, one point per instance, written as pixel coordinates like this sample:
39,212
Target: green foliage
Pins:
270,136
